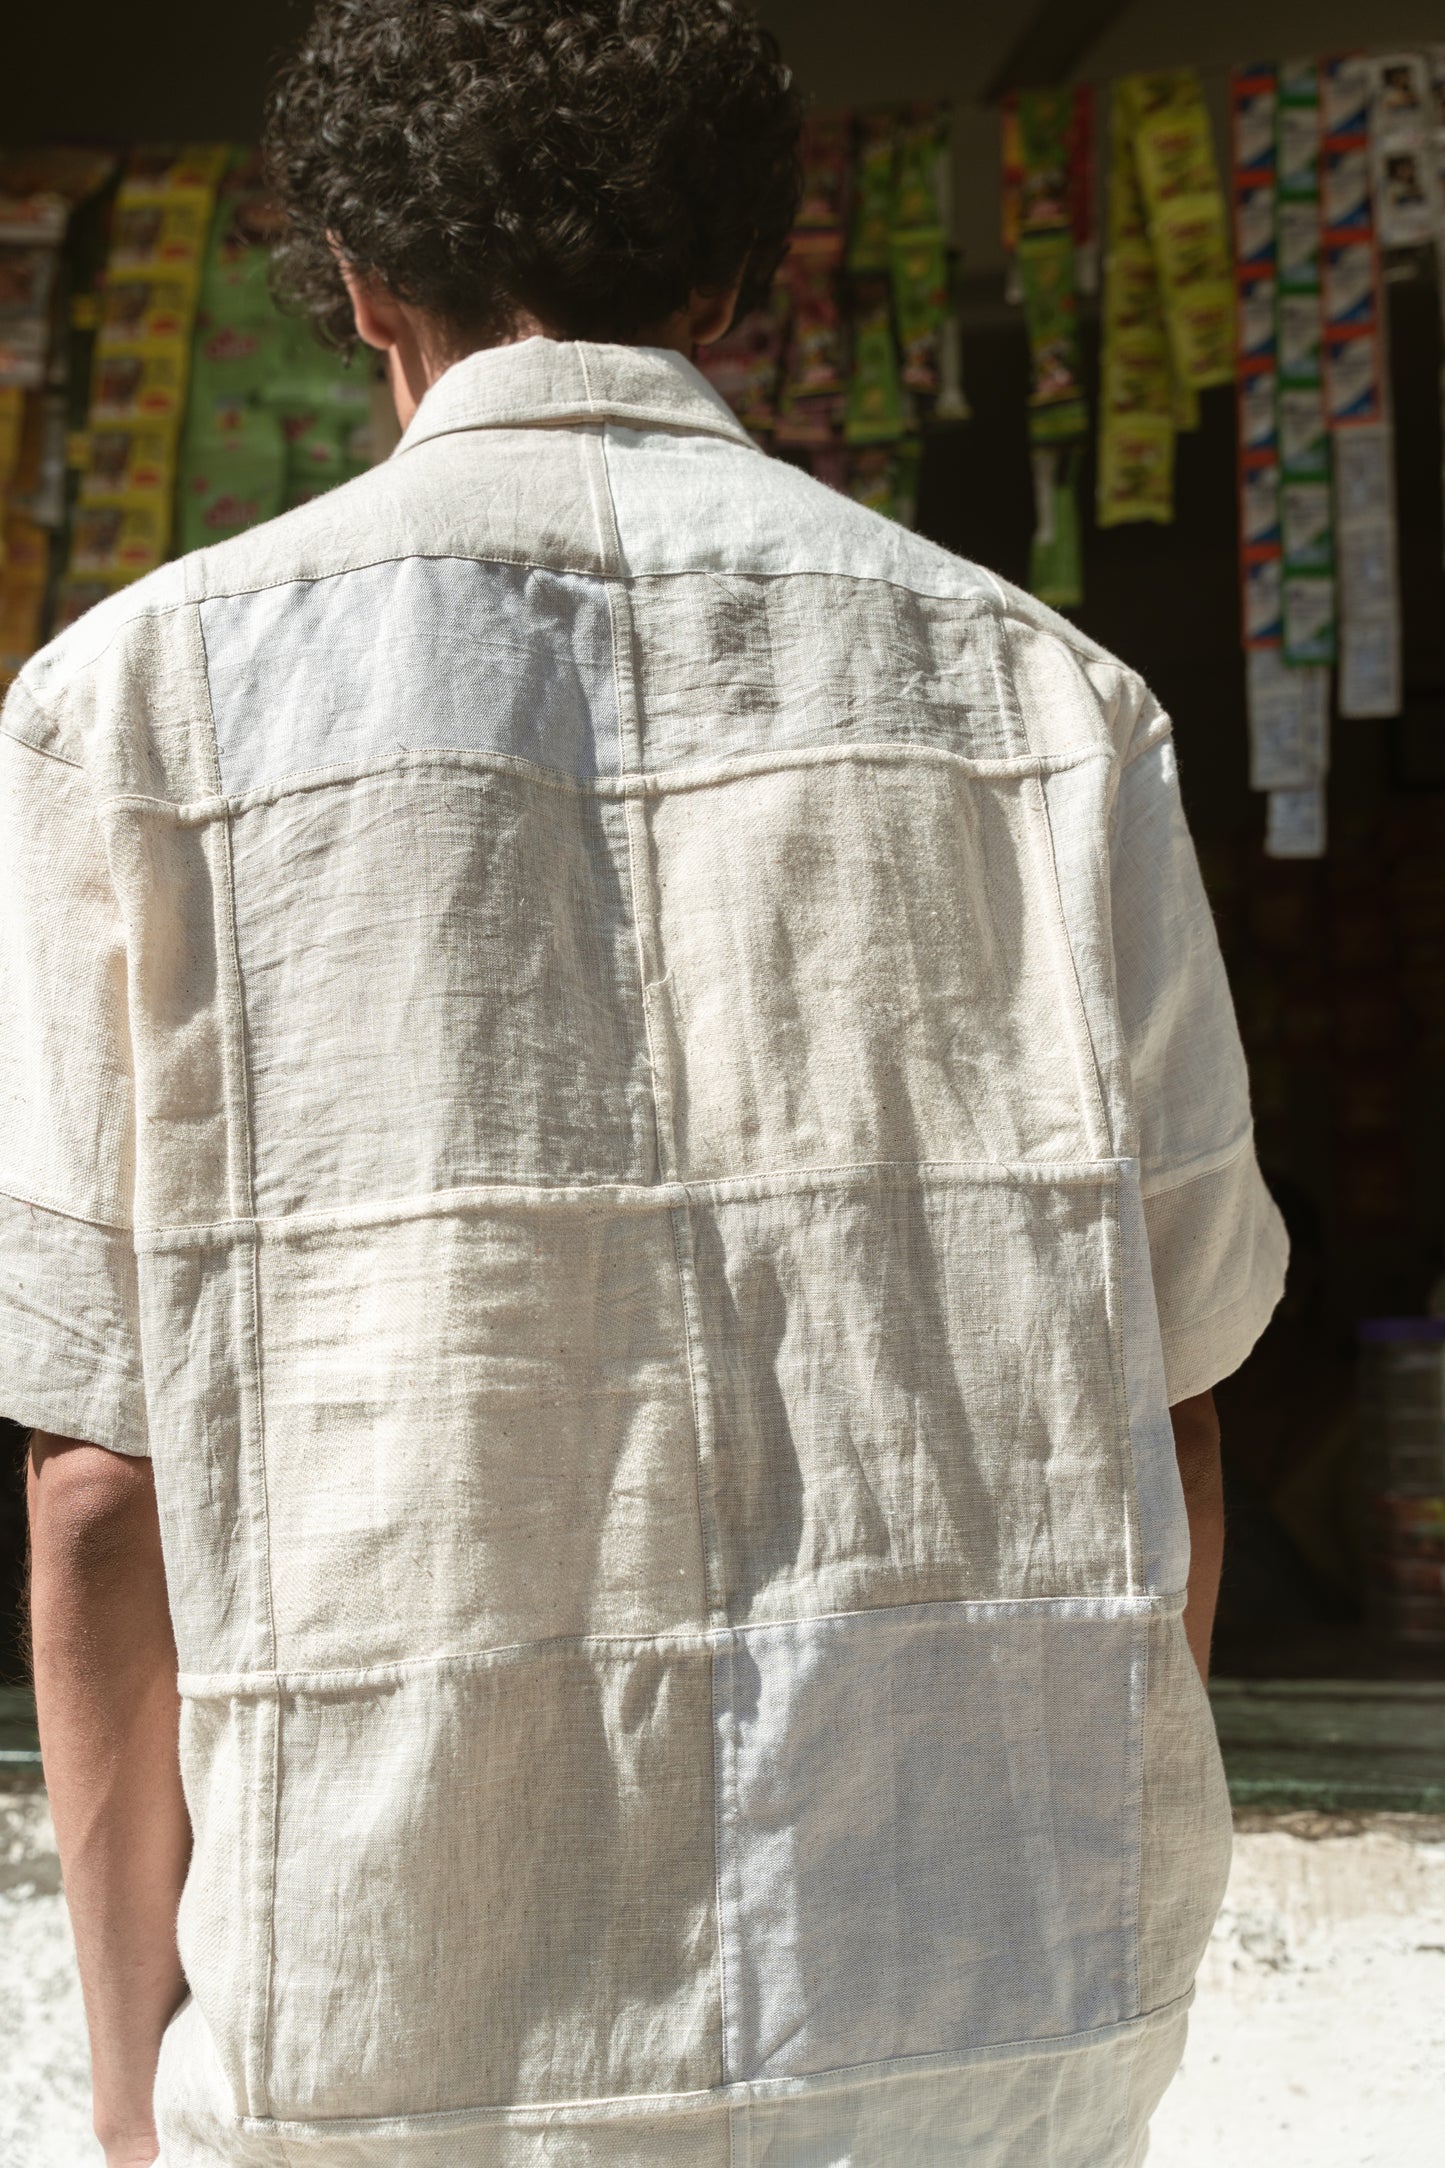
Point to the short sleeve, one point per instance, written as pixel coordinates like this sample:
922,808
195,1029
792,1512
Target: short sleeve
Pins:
1216,1242
69,1330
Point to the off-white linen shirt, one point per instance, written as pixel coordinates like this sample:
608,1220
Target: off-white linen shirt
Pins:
622,1072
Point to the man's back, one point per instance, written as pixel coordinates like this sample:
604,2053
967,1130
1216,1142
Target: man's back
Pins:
669,1021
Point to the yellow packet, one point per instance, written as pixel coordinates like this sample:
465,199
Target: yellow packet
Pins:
1142,96
135,387
1137,378
1190,242
1136,469
1131,291
128,463
119,542
1175,152
169,171
139,312
159,236
1126,203
1201,332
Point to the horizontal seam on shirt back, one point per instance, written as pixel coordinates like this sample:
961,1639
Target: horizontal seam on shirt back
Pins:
700,1641
762,2092
640,1197
530,561
654,783
1197,1169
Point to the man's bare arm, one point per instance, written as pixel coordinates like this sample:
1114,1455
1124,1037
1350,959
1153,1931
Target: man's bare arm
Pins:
1196,1444
105,1685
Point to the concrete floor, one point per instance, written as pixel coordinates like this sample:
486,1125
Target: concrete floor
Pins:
1318,2038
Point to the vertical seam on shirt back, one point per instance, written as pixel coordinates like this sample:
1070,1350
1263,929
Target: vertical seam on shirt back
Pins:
1103,1142
703,1425
1117,1268
207,750
1138,1726
240,1101
1082,1057
647,935
723,1751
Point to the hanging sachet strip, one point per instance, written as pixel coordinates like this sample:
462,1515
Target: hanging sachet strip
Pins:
1253,101
1307,567
122,525
1407,161
1040,152
1287,704
1137,392
1358,395
1188,229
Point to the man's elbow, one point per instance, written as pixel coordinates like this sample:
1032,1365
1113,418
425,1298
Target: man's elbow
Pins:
89,1508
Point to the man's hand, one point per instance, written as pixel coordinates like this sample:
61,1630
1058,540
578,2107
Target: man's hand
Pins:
1196,1445
105,1688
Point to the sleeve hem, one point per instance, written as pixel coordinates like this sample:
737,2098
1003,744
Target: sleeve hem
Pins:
1198,1356
70,1340
111,1412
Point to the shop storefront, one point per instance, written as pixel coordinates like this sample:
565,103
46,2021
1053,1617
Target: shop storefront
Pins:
1162,345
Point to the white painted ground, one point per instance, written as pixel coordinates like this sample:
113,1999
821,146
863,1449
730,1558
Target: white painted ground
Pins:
44,2069
1318,2033
1318,2039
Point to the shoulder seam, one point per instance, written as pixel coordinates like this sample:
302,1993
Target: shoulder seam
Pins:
160,609
1159,732
43,752
1078,643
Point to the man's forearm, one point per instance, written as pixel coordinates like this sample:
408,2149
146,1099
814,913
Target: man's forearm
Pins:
1196,1445
105,1686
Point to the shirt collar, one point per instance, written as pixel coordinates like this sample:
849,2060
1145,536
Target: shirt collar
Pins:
540,383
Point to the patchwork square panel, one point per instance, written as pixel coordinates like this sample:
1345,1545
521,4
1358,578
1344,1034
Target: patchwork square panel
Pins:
928,1833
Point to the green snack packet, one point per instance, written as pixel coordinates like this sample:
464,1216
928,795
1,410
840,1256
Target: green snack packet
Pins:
315,455
235,278
873,197
918,194
1044,120
305,377
230,479
1056,399
231,361
875,411
920,302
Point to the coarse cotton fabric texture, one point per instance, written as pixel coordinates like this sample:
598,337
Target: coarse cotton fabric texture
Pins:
622,1072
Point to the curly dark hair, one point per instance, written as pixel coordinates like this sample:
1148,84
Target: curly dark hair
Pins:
593,165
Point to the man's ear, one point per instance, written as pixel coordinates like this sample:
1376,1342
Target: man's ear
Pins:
379,319
709,315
